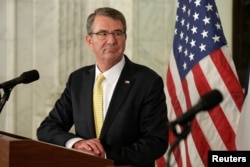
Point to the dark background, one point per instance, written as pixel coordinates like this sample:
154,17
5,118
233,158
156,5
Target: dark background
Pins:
241,38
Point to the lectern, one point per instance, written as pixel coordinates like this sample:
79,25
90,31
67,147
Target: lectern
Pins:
18,151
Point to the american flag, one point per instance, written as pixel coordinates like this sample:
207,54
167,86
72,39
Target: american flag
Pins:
200,62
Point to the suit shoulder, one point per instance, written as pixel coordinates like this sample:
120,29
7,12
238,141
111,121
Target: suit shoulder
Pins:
82,70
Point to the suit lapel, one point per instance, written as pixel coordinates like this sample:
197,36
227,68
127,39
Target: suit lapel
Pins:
122,88
86,103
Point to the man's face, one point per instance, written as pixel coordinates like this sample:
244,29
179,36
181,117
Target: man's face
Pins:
109,48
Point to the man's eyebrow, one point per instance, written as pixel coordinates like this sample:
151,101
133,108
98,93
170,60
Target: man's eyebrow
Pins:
118,29
102,31
111,31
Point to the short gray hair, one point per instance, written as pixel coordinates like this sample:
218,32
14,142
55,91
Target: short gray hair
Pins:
105,11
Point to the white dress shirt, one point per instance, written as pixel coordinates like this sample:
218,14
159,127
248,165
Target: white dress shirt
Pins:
108,85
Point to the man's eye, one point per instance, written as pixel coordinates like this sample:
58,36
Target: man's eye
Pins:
118,33
103,33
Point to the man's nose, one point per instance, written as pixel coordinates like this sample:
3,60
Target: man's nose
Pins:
111,38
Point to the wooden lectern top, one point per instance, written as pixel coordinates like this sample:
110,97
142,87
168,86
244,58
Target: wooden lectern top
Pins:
18,151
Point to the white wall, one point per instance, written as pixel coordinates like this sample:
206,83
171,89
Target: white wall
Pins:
225,10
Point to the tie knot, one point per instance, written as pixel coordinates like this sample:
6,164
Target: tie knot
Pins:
100,78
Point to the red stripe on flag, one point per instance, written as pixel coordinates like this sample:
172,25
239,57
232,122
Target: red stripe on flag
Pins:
231,82
188,104
172,93
160,162
200,140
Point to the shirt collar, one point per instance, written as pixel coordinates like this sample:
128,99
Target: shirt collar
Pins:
113,73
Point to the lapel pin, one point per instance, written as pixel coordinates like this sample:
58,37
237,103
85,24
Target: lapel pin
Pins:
127,82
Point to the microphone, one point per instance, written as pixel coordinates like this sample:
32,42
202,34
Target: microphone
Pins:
206,102
24,78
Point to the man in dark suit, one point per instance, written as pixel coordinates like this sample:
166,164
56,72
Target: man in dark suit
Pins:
134,130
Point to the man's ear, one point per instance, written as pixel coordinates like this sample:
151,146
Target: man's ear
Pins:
89,40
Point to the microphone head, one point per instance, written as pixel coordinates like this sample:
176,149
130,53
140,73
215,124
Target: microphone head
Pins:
29,76
211,99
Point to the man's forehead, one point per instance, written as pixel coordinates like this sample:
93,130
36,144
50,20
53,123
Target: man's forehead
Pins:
107,23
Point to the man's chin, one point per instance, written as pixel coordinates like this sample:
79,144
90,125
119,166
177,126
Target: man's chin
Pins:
112,57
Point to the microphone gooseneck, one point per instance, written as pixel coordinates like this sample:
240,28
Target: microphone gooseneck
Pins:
24,78
7,86
206,102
